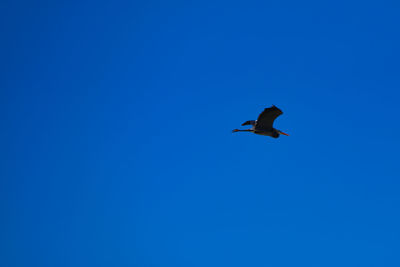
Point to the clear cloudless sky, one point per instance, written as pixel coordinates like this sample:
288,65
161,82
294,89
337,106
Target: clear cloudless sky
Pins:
116,146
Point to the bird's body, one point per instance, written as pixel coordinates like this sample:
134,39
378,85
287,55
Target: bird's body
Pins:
263,125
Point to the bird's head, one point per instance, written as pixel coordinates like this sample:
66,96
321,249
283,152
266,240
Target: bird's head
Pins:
280,132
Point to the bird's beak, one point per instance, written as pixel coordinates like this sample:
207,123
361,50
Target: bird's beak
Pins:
280,132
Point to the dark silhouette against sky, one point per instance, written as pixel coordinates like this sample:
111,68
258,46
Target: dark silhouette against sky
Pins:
116,143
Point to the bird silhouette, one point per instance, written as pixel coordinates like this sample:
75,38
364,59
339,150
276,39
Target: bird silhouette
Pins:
264,122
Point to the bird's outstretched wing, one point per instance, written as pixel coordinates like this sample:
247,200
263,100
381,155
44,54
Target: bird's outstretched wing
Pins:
266,118
249,123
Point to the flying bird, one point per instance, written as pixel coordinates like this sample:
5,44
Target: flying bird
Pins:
263,125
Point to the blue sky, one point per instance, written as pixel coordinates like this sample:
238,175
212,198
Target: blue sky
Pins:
116,144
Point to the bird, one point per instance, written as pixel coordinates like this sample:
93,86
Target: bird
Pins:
264,122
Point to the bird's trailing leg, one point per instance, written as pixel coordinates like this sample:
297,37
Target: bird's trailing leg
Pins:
237,130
